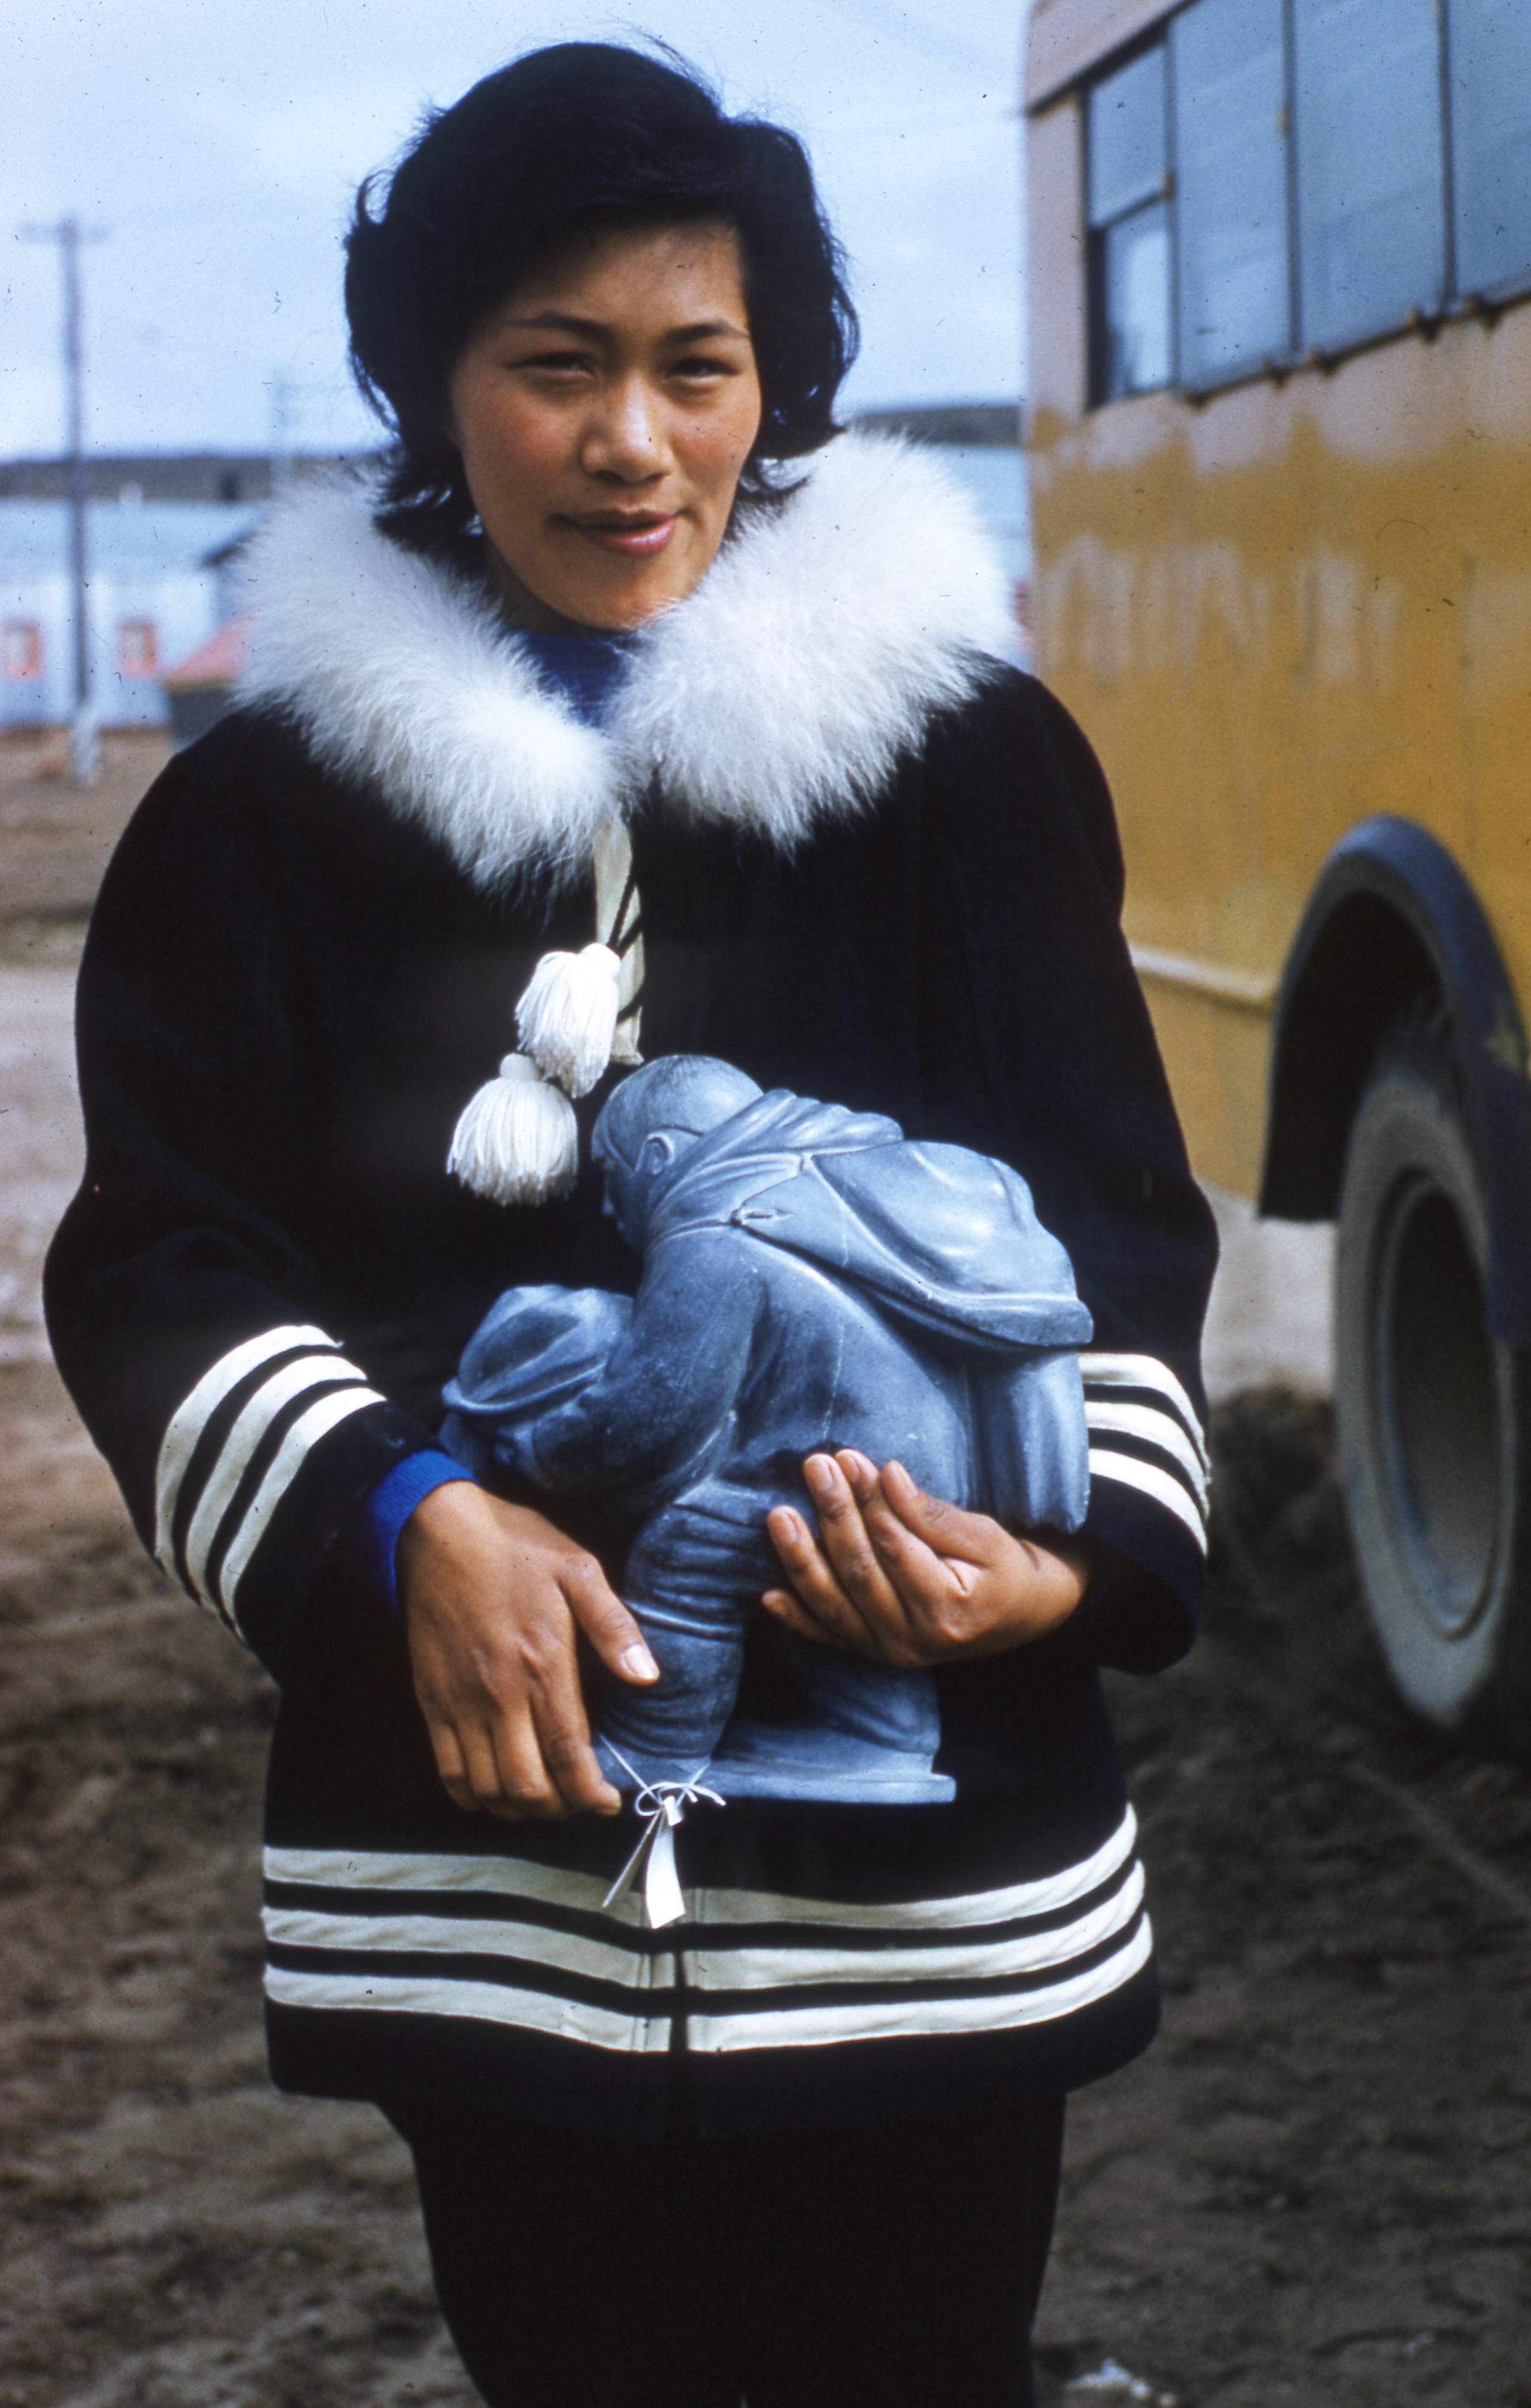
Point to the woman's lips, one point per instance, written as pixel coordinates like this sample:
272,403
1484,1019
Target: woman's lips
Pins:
630,539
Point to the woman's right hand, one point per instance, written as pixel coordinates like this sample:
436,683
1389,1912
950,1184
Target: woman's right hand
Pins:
493,1596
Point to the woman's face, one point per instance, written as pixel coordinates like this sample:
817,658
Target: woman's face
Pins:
603,413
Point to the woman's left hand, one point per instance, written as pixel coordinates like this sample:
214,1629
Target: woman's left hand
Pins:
908,1579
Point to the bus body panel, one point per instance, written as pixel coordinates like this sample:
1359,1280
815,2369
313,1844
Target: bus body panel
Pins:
1066,37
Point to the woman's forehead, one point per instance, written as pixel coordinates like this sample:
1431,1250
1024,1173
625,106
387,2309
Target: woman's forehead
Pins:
690,269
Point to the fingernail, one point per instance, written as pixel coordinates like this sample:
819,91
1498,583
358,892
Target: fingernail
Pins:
821,1476
787,1522
638,1663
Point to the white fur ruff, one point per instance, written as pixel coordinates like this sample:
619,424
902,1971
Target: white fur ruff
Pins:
816,648
401,676
782,691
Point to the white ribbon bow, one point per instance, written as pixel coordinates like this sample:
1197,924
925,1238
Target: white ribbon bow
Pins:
662,1805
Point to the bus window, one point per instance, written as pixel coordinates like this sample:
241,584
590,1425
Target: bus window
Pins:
1370,202
1129,222
1229,73
1274,179
1491,143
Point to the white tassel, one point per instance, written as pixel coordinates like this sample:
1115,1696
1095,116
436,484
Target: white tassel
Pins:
567,1020
517,1141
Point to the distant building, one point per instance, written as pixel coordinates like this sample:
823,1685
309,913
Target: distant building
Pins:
163,475
198,689
969,426
154,592
161,533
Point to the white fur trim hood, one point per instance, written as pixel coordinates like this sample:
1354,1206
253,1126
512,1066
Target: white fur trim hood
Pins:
782,691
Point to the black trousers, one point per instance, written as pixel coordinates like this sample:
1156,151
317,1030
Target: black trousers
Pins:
892,2268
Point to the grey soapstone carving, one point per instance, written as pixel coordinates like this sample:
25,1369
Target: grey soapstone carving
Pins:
811,1279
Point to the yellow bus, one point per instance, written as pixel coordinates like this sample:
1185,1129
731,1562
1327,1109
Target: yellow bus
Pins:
1279,437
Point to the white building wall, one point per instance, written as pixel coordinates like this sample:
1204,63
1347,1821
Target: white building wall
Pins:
144,563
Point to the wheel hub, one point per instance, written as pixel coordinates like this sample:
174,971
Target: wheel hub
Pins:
1436,1401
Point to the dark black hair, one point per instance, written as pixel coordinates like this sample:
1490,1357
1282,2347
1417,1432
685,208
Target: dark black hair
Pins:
579,134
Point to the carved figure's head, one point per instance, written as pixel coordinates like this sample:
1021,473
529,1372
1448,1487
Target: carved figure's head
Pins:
653,1118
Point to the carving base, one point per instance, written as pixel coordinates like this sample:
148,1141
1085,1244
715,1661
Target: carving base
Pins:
754,1762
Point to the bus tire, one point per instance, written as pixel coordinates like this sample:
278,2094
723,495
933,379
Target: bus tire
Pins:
1432,1413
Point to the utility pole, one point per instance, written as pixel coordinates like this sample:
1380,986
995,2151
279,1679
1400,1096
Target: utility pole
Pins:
84,737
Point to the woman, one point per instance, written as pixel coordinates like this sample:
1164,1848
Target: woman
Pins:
591,640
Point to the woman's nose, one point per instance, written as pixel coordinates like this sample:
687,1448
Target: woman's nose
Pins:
626,435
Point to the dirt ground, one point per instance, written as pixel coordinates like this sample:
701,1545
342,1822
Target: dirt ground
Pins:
1314,2189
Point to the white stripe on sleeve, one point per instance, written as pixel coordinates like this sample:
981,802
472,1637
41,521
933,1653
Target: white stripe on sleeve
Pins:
254,1420
1159,1430
1146,1371
191,1418
1149,1481
304,1434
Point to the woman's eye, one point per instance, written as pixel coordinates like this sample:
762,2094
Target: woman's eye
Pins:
697,370
555,363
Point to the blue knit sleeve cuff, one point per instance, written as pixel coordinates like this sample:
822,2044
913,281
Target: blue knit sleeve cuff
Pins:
388,1507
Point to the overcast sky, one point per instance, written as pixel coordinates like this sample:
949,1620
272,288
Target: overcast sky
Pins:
217,149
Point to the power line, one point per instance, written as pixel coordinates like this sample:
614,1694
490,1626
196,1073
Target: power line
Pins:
916,32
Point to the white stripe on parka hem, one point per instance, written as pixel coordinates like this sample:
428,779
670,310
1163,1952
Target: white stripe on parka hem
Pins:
374,1868
965,1959
444,1935
1012,1904
509,1876
481,2001
713,2035
962,1958
918,2018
